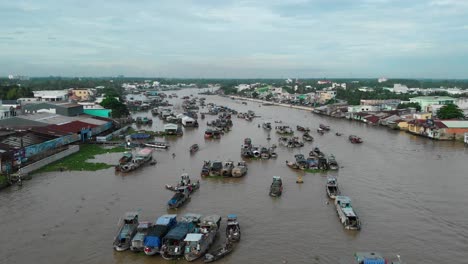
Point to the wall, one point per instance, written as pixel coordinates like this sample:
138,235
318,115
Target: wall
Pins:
458,132
37,165
111,135
99,129
98,112
51,144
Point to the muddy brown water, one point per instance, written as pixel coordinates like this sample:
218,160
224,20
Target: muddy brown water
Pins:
409,192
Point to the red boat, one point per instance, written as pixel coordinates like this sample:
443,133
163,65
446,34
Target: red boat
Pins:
355,139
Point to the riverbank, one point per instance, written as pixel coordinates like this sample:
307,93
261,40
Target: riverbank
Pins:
306,108
79,161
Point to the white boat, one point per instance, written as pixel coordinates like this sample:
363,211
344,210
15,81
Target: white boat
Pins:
240,169
332,187
345,211
156,144
126,232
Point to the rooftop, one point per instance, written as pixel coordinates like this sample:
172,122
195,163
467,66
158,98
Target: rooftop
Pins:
433,98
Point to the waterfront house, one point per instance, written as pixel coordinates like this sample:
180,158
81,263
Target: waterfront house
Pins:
439,129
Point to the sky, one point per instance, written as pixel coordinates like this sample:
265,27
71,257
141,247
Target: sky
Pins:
235,38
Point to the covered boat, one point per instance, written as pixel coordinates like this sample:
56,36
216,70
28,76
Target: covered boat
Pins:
127,230
205,171
307,137
345,211
216,167
153,240
139,238
143,156
233,232
276,187
219,253
324,127
197,244
184,182
374,258
283,130
126,157
180,197
332,187
266,125
173,243
355,139
240,169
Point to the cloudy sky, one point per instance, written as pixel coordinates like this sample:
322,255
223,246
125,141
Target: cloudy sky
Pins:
235,38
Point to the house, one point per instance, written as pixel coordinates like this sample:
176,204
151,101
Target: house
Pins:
7,112
325,96
439,129
172,129
84,94
61,108
427,102
51,95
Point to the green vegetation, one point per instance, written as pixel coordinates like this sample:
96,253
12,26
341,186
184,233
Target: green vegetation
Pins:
118,108
78,161
450,111
412,104
3,179
13,92
354,96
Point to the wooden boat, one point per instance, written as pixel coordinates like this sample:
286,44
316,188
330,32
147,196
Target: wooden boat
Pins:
206,168
346,213
332,164
197,244
219,253
338,134
302,129
215,168
138,240
180,197
239,170
320,131
194,148
127,157
155,111
307,137
332,187
184,182
355,139
324,127
157,144
284,130
233,232
226,171
153,240
143,156
127,230
266,125
374,258
276,187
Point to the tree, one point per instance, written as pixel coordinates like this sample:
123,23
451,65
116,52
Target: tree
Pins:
412,104
117,107
450,111
254,94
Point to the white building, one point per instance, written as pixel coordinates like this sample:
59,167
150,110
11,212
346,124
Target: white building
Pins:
51,95
382,79
399,88
241,87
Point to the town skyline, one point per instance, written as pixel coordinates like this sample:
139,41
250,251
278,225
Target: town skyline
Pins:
240,40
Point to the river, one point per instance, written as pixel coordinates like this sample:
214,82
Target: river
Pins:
409,192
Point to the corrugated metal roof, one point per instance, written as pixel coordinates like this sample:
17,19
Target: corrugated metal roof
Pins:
94,121
17,122
455,123
72,127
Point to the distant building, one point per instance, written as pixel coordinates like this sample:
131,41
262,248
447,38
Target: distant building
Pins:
427,102
324,82
399,88
382,79
51,95
325,96
83,94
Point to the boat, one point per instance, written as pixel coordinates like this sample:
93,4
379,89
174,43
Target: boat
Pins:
197,244
307,137
180,197
284,130
345,211
215,168
338,134
157,144
184,182
153,240
143,156
240,169
355,139
266,125
206,168
219,253
374,258
276,187
332,187
202,115
194,148
139,238
332,164
324,127
126,157
173,243
320,131
127,230
233,232
226,171
302,129
155,111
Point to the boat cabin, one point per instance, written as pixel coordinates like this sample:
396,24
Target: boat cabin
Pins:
191,218
193,242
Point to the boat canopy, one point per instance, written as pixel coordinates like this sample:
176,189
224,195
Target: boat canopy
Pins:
343,199
165,219
369,258
144,225
145,152
348,211
180,231
171,127
140,136
211,219
193,237
154,236
331,180
276,178
232,217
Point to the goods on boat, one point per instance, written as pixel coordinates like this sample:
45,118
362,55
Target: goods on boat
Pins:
180,197
374,258
332,187
173,243
233,232
240,169
324,127
153,240
143,156
266,125
307,137
184,182
355,139
284,130
127,230
346,213
197,244
139,238
332,164
276,187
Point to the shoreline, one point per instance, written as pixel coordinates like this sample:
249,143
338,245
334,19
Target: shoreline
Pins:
305,108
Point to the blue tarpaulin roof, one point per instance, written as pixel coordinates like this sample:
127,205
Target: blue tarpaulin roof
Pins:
374,261
180,231
140,136
165,219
